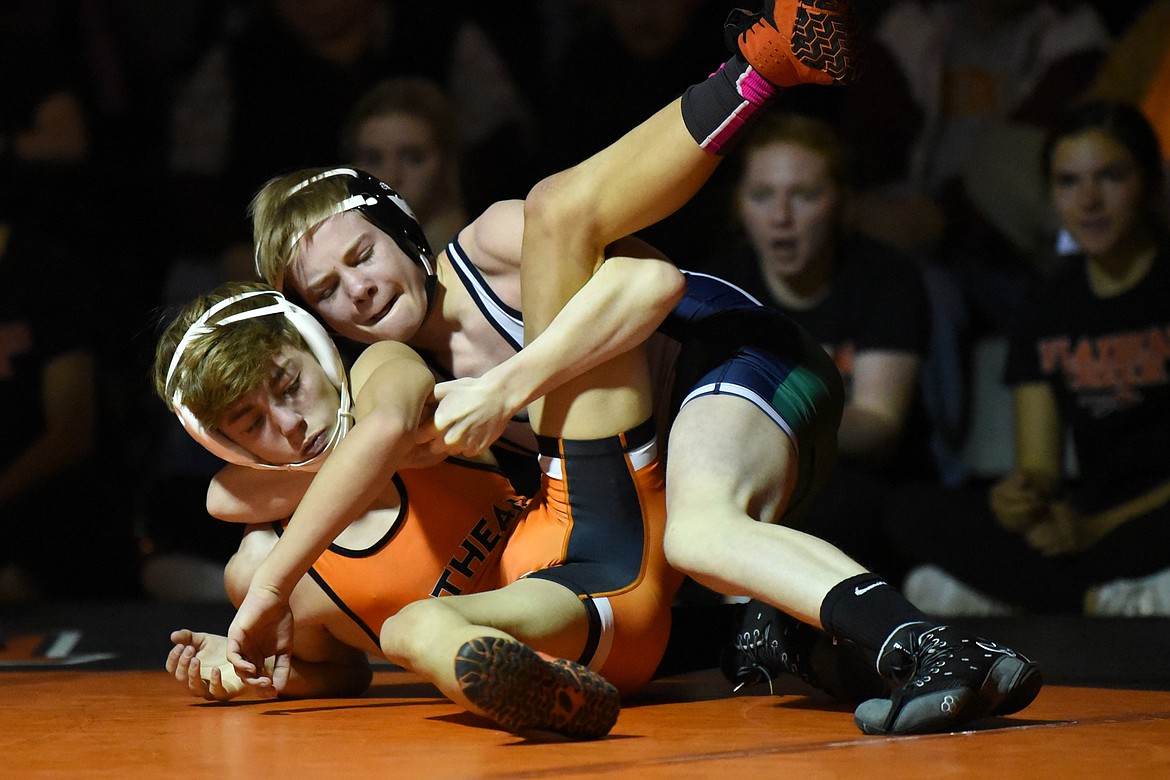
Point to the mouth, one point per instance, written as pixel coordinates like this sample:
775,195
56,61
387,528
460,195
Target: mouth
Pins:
379,315
315,446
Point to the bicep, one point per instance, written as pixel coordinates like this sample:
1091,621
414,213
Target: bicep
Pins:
238,494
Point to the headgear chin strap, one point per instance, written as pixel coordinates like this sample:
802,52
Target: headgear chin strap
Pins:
319,343
385,209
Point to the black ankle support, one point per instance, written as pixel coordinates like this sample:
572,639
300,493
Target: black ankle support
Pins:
716,111
865,609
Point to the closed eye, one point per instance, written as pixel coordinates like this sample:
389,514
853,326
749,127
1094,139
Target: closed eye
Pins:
292,387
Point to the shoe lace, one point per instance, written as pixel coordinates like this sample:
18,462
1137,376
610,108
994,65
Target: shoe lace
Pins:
765,660
776,645
934,650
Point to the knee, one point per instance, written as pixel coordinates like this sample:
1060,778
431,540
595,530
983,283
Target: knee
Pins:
404,637
684,543
258,541
560,205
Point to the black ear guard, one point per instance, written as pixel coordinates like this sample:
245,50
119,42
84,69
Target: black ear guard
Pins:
385,209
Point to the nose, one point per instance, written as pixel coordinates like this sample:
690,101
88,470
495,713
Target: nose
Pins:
1089,195
782,213
290,422
358,287
391,172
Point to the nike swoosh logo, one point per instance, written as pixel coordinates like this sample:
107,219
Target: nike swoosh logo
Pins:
867,588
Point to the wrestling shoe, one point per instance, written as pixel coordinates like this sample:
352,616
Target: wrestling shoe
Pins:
947,679
770,642
797,41
522,692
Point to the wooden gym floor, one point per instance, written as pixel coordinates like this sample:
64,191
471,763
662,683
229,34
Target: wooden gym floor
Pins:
69,709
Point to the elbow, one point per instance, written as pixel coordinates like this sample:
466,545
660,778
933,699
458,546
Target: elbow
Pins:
395,426
223,505
217,503
673,285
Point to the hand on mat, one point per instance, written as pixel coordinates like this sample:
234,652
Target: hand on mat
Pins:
199,663
262,628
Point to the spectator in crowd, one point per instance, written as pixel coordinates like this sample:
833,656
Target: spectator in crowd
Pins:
241,114
66,532
66,535
622,61
1088,360
1137,71
403,132
948,129
863,301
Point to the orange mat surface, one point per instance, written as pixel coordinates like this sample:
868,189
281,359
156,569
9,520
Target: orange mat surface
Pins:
138,724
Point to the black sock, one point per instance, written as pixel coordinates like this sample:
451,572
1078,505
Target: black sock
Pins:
717,110
866,610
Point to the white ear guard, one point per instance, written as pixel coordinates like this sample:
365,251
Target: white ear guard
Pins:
319,343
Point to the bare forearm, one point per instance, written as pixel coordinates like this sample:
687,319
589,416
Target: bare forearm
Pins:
343,489
243,495
619,308
1097,526
392,386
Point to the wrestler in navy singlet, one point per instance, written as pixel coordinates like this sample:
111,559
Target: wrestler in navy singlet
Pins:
719,340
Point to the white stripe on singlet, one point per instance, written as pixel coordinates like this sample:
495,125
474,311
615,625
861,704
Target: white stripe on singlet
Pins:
503,317
640,458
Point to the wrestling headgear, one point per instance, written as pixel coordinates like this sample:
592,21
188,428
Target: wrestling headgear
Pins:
385,209
319,343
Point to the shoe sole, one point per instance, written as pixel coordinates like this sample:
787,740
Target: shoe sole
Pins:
822,43
1011,685
522,692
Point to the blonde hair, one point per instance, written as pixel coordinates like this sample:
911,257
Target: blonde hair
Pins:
282,212
220,366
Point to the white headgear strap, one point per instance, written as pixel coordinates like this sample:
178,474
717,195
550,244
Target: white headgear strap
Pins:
347,204
319,343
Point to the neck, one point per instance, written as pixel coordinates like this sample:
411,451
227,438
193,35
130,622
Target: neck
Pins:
804,290
1120,270
443,316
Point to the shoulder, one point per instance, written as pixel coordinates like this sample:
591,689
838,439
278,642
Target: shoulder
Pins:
383,353
493,240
